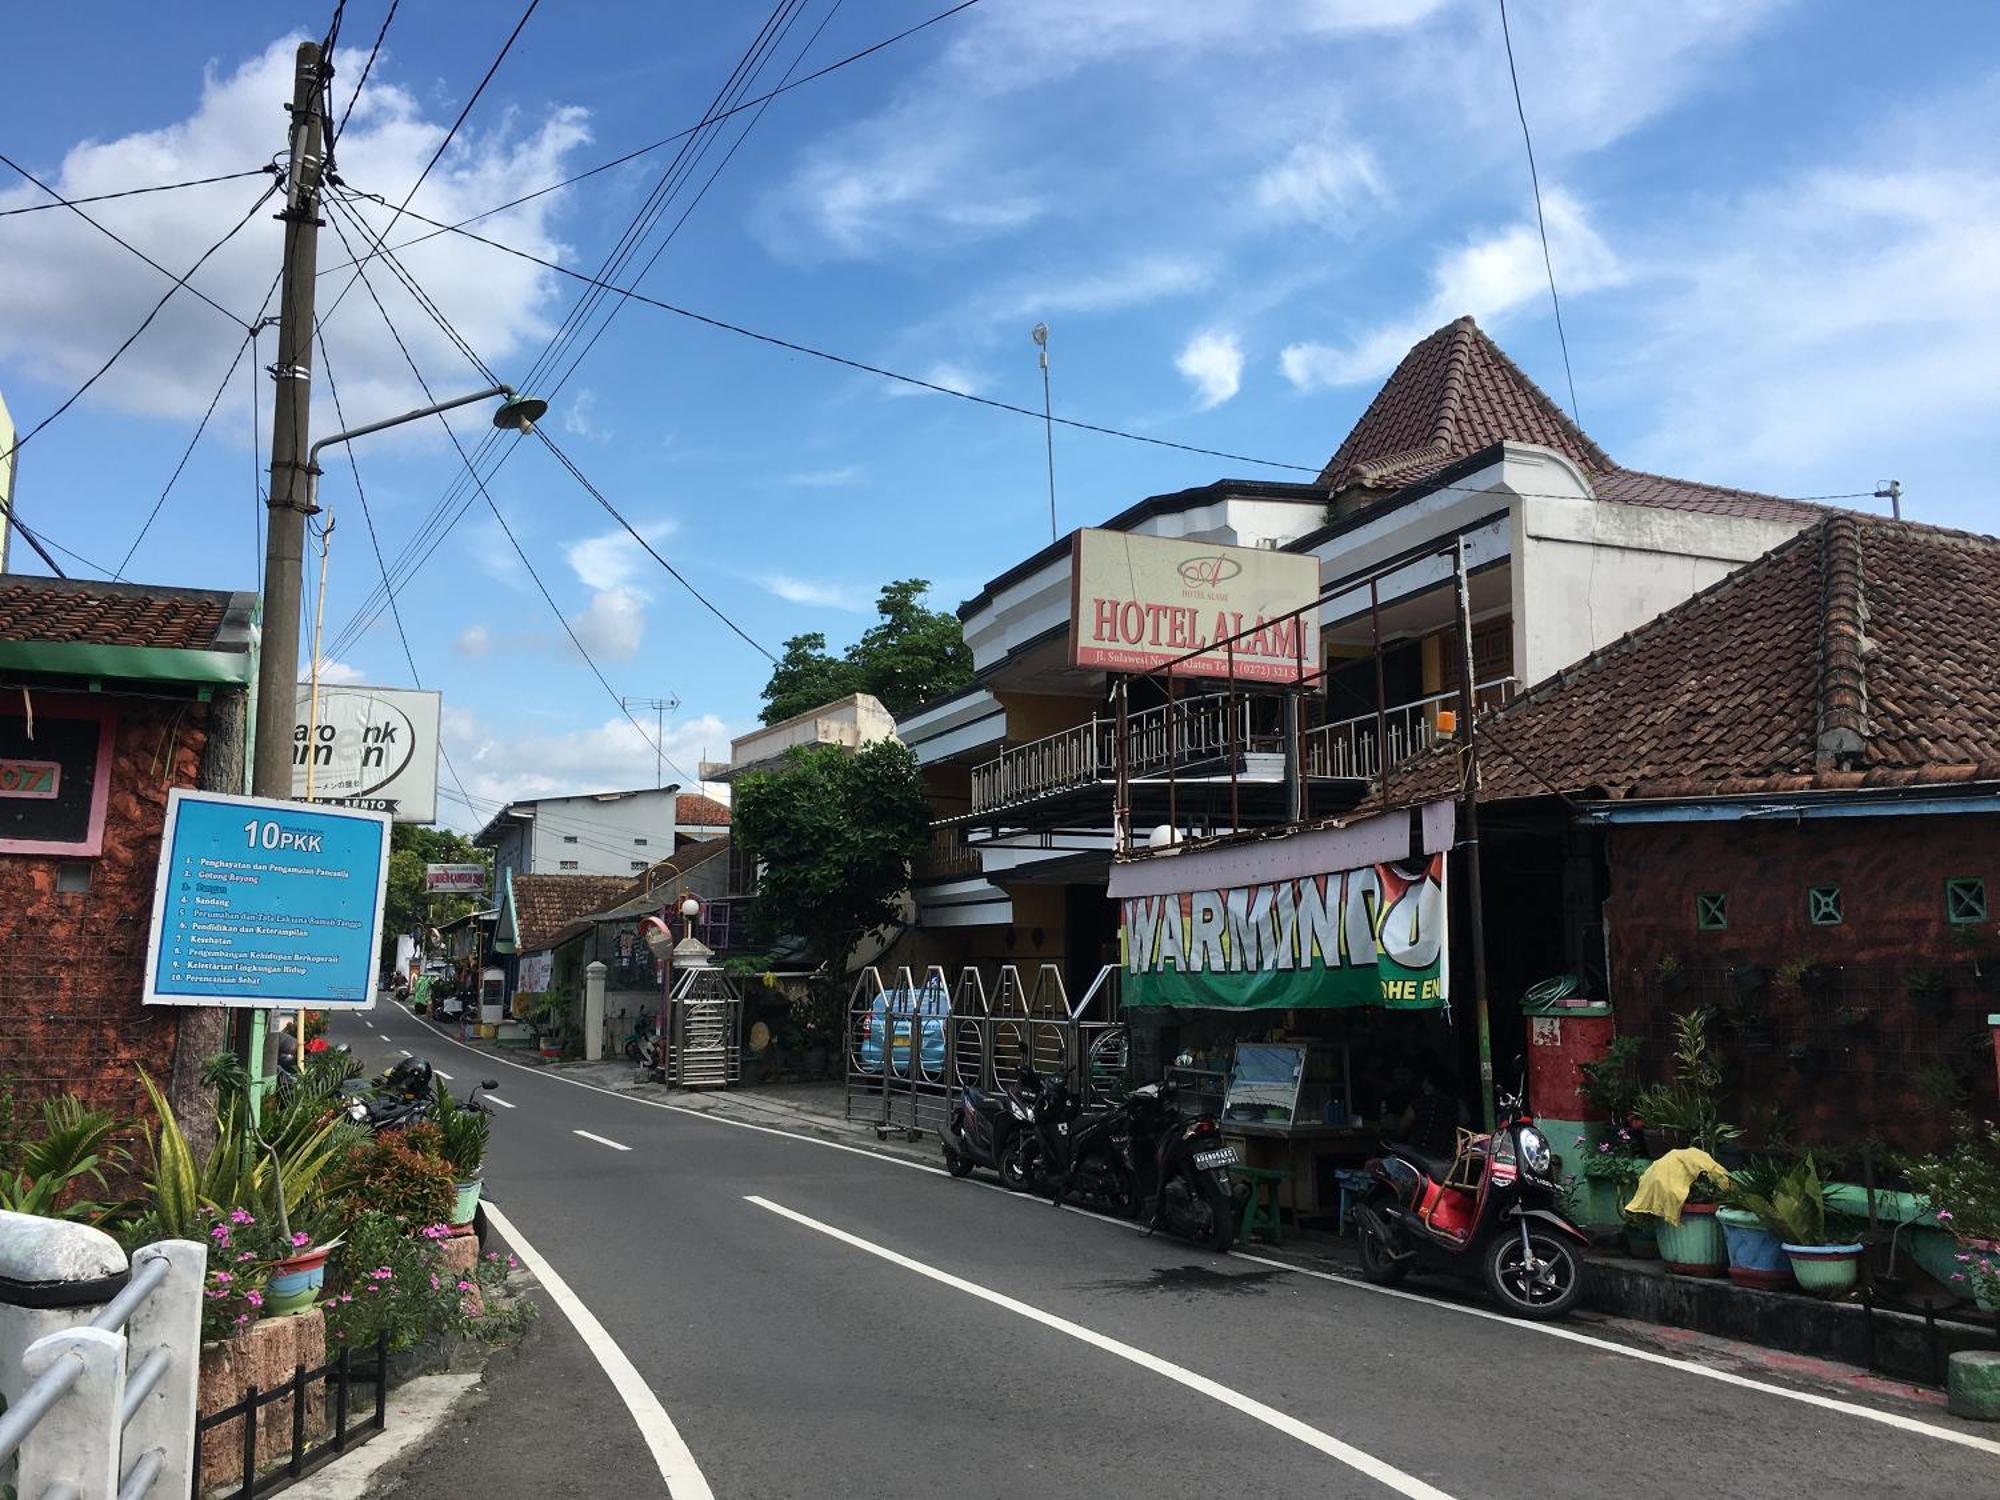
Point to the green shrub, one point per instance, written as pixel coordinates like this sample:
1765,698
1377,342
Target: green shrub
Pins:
386,1281
400,1174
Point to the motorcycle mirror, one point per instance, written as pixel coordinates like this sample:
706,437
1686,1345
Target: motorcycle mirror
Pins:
489,1083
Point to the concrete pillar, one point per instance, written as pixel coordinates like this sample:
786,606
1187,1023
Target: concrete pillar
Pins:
77,1443
593,1010
169,1320
61,1275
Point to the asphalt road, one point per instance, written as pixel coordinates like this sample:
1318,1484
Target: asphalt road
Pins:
825,1322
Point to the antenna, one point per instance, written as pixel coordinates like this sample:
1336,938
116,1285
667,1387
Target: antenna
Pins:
1040,334
661,707
1892,491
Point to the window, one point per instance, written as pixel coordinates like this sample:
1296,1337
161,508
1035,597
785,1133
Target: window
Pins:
640,842
1964,900
569,838
567,864
1823,906
638,864
1711,910
72,877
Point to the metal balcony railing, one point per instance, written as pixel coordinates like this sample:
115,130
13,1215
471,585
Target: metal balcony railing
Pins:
1361,748
1169,737
948,858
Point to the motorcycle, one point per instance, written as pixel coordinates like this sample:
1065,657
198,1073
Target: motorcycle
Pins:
1183,1167
642,1040
1074,1153
986,1130
1493,1212
398,1097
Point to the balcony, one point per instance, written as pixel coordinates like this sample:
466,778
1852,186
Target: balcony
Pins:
948,858
1355,748
1177,737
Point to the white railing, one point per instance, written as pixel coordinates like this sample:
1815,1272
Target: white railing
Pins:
1361,748
1159,739
104,1410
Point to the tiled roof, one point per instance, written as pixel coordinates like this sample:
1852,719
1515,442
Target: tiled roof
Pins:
660,880
546,904
110,614
1457,393
1860,653
1454,394
697,811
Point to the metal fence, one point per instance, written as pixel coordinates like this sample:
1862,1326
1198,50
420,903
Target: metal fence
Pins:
109,1408
915,1043
705,1042
337,1376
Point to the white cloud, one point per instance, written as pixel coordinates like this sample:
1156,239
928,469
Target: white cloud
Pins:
1212,363
500,765
474,641
1489,278
579,417
1320,182
612,626
809,591
947,373
71,295
334,673
819,479
612,560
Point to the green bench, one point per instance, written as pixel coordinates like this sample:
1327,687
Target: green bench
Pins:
1260,1211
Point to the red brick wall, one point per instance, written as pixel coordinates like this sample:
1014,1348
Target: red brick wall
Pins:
71,964
1872,1056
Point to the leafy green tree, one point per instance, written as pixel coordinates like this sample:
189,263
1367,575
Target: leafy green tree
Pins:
411,847
833,833
910,655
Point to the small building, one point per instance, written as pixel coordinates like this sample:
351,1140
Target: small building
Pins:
590,833
699,817
115,694
856,720
535,911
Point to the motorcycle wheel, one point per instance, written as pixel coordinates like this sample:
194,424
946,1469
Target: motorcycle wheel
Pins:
1121,1197
631,1052
956,1162
1546,1288
1019,1162
479,1227
1379,1266
1221,1212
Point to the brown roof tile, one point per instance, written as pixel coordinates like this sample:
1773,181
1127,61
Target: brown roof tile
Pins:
1862,652
1636,487
110,614
700,811
544,905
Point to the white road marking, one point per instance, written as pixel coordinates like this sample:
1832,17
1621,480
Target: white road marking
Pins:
496,1099
677,1466
600,1140
1647,1356
442,1074
407,1052
1355,1458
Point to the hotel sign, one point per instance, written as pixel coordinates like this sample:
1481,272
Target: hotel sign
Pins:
1138,603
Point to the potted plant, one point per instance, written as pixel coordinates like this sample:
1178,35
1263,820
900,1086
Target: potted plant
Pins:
1756,1255
1961,1186
1685,1112
462,1139
1929,989
1795,1211
1672,976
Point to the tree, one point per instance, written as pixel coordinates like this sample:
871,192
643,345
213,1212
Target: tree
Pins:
911,655
834,833
411,847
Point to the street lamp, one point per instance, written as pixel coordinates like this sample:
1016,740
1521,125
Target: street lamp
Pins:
517,413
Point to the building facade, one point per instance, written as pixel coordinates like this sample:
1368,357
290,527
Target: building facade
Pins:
591,833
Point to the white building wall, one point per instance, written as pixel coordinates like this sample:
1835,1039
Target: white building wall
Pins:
613,834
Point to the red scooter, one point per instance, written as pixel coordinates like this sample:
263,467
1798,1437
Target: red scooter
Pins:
1493,1212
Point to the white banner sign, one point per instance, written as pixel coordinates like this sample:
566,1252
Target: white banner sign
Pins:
535,971
1140,602
454,880
372,748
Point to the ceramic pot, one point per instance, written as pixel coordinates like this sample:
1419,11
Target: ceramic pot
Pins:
1756,1257
295,1282
1694,1246
468,1202
1825,1269
1642,1241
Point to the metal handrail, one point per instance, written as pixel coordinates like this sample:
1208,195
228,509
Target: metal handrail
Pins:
36,1402
1157,740
116,1313
1366,745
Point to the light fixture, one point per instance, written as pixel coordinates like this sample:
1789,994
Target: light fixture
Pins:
1162,837
519,413
690,908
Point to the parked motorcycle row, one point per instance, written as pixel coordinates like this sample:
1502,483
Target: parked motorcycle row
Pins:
1493,1212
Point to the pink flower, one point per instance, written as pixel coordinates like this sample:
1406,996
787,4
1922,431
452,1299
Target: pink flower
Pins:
381,1273
1958,1275
223,1278
246,1255
434,1281
300,1239
1963,1259
370,1287
241,1319
239,1216
511,1261
254,1298
1944,1216
465,1286
220,1234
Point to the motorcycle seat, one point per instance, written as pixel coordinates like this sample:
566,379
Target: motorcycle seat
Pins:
1437,1168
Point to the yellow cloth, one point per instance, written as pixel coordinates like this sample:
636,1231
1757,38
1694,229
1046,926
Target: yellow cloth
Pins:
1667,1182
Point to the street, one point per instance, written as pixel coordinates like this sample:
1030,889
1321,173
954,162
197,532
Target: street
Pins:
813,1320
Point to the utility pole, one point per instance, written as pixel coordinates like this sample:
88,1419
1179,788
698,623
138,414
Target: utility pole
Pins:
291,411
1468,840
661,707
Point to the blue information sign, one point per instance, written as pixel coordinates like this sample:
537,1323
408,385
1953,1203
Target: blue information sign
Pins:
266,903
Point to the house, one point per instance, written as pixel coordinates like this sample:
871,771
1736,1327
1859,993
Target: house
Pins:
1565,551
699,817
1780,800
535,911
591,833
115,694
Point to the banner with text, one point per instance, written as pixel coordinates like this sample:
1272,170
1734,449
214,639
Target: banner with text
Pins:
1369,936
371,748
1137,603
454,880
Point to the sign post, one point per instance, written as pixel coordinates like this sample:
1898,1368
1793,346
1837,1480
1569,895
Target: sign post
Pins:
371,748
264,903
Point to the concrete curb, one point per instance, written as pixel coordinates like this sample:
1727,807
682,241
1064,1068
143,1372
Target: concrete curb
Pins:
417,1409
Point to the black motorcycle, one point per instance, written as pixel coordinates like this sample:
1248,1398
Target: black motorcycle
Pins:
985,1130
1182,1166
1078,1153
1494,1211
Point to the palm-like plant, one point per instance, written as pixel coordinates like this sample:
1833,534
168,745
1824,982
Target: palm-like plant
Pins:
75,1146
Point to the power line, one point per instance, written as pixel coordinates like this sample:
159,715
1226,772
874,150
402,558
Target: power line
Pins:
668,140
362,82
161,187
1541,223
179,281
492,68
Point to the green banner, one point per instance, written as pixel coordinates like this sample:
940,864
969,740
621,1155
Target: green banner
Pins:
1369,936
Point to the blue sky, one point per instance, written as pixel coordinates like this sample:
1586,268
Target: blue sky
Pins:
1775,227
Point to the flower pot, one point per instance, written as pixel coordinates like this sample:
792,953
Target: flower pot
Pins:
1694,1246
468,1202
1660,1140
551,1051
1642,1241
295,1282
1756,1256
1826,1269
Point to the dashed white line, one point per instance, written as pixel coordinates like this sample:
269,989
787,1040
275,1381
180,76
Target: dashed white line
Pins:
442,1074
1357,1459
677,1466
601,1140
496,1099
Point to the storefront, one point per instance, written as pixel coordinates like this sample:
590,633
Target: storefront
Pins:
1301,987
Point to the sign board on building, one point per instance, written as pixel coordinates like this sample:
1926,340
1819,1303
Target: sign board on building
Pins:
454,880
371,748
535,972
1138,602
263,902
1368,936
55,776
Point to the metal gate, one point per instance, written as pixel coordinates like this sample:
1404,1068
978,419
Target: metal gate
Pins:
704,1046
915,1044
